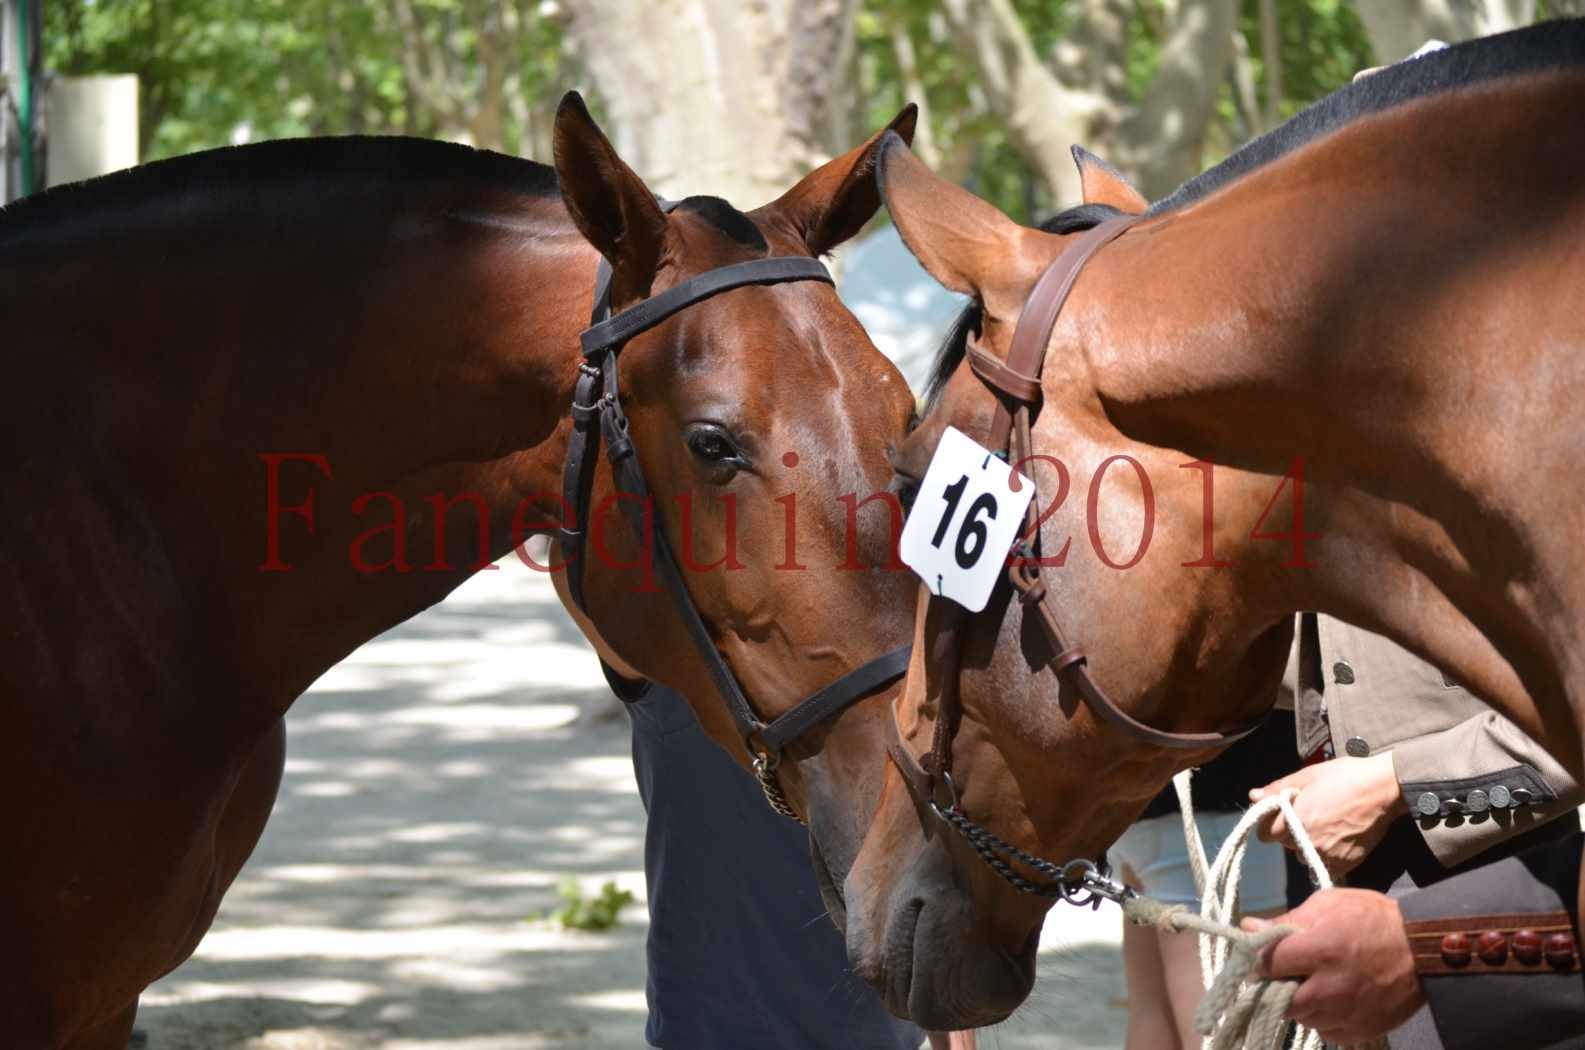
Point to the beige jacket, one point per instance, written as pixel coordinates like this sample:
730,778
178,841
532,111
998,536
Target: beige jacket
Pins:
1471,779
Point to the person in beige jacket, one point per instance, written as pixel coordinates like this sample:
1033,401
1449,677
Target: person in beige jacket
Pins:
1411,778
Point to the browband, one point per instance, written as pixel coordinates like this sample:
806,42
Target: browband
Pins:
642,316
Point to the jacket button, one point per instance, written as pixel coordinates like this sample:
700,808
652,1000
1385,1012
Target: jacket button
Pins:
1560,951
1500,797
1357,747
1492,947
1343,673
1427,804
1476,801
1456,950
1527,947
1522,796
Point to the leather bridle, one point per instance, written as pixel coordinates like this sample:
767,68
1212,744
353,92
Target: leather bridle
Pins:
596,400
1016,384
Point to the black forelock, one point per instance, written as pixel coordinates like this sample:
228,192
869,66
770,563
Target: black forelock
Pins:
1547,45
727,219
955,346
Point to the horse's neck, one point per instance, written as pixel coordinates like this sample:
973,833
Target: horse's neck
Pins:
1382,304
483,348
434,361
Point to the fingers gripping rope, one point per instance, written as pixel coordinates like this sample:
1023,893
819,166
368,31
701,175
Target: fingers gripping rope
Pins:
1234,1015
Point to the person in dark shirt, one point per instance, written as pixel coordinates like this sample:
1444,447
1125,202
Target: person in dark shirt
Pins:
741,953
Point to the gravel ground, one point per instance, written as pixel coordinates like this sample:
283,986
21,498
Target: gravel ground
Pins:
440,784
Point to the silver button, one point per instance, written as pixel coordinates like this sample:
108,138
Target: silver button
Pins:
1476,801
1343,673
1500,797
1357,747
1522,796
1427,804
1451,806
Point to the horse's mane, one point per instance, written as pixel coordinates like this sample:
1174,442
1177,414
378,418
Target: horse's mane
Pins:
1547,45
380,159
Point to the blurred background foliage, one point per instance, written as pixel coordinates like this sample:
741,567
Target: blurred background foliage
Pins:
1323,44
216,72
1159,87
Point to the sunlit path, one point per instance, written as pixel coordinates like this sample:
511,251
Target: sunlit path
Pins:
440,784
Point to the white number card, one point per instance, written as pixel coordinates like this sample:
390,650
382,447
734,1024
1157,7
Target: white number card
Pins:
964,520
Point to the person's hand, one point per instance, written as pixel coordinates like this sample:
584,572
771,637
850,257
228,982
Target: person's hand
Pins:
1353,956
1346,805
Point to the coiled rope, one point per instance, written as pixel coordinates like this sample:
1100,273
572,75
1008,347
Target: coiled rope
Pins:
1235,1015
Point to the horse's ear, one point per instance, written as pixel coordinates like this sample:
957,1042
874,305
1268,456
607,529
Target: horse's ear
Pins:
834,201
965,243
1104,184
608,203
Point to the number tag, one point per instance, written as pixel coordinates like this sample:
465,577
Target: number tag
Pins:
964,520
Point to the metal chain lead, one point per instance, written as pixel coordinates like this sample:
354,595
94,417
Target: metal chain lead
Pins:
1079,882
770,784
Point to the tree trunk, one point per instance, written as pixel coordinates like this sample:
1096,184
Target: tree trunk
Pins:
1396,30
817,96
726,97
1163,140
1084,101
914,90
494,26
1271,58
1042,117
1246,104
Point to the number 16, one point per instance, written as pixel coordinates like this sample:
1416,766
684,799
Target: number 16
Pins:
971,536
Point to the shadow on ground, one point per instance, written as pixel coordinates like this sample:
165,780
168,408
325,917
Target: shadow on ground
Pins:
441,783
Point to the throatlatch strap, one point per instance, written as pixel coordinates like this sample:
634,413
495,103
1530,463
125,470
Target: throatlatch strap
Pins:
1011,430
1016,381
1026,355
577,479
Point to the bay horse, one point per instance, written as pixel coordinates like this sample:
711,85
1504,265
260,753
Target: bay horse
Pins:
266,402
1345,367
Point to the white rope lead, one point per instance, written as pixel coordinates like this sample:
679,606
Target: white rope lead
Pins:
1234,1015
1218,889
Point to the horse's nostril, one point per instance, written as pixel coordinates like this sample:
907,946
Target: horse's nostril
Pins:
906,489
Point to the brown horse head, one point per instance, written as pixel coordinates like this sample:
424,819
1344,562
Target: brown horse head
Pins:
762,418
942,935
1248,320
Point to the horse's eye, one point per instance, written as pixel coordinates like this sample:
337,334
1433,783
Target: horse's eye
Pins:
713,445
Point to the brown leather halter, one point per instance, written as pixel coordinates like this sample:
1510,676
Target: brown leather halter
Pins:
1016,382
597,414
